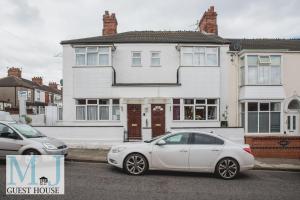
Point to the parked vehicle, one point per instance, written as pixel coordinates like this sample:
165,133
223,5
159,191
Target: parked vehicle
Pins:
17,138
183,151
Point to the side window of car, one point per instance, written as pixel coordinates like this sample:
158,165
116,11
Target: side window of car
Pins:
180,138
206,139
5,131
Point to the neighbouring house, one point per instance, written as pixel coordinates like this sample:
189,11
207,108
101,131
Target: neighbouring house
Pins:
38,94
151,82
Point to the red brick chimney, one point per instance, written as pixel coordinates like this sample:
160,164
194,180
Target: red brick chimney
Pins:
38,80
208,23
53,85
14,71
109,24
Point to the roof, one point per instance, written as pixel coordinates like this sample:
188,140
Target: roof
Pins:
152,37
288,44
13,81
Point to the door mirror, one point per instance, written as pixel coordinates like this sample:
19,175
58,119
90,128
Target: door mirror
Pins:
161,142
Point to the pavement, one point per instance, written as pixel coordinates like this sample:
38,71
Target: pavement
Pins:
99,156
102,181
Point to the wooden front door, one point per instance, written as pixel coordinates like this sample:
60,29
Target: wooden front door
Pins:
134,121
158,119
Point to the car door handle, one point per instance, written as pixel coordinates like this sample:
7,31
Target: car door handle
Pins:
183,150
215,150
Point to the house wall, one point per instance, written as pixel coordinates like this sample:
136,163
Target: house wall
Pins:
8,93
291,71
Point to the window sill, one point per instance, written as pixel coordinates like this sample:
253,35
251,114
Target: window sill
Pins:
261,85
136,65
155,65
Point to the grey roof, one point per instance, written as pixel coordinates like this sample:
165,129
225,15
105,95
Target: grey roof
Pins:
288,44
151,37
13,81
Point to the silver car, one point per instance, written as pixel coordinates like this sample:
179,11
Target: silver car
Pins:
17,138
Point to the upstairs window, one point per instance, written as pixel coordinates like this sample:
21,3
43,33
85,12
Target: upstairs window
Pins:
92,56
136,59
199,56
155,58
264,70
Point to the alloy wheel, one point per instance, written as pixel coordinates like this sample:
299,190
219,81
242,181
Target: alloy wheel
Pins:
135,164
228,168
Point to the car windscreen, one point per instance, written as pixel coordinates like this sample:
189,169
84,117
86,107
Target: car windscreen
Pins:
153,139
27,131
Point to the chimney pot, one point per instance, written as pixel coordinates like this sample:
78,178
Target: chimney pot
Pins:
38,80
14,71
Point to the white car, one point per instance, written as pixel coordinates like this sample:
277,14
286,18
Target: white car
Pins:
183,151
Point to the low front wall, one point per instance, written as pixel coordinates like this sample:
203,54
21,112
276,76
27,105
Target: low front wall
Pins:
101,137
274,146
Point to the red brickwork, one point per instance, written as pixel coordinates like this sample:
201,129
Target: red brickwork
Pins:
14,71
109,24
208,22
274,146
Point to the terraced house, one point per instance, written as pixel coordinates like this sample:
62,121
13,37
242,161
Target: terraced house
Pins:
150,82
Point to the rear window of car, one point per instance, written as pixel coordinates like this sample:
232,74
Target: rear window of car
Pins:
205,139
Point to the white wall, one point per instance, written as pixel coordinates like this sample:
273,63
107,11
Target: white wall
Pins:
37,120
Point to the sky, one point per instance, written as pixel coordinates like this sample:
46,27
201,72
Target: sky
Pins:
31,30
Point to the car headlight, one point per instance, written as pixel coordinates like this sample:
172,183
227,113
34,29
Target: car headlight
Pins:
49,146
118,149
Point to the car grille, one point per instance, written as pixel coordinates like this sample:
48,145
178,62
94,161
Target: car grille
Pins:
62,147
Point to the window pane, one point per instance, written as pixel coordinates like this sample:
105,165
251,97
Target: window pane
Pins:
242,75
252,60
294,122
264,122
275,75
252,106
242,61
243,119
80,50
199,49
92,58
181,138
155,54
116,101
264,106
103,113
252,122
200,101
212,59
104,101
116,113
176,101
206,139
211,101
264,59
80,112
136,54
80,59
264,74
136,61
92,112
275,121
176,112
155,61
275,106
188,112
243,107
212,112
92,101
104,49
200,113
92,49
103,59
188,101
275,60
80,102
187,59
199,59
252,75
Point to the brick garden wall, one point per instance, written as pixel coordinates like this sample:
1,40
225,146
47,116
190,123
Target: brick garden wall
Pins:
274,146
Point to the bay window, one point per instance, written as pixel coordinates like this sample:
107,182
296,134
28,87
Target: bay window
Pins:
93,56
199,56
97,109
263,117
262,70
195,109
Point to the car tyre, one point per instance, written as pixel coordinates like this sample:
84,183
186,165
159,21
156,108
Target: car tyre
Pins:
135,164
31,152
227,168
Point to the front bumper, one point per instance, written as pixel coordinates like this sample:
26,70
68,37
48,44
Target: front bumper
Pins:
56,152
115,159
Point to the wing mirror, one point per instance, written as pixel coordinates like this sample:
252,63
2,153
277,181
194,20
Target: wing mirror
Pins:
161,142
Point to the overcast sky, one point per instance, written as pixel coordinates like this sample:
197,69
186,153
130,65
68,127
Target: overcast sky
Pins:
31,30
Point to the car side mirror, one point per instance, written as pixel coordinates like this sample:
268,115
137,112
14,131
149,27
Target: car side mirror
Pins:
161,142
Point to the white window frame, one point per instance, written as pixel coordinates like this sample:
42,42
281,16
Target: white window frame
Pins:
135,57
194,51
155,57
109,53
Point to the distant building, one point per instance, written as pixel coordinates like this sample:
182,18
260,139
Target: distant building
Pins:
38,94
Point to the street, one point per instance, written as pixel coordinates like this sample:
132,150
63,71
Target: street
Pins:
101,181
